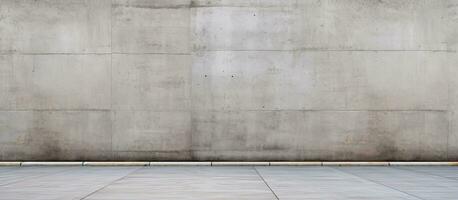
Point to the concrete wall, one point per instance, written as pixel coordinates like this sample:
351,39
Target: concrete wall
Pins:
229,80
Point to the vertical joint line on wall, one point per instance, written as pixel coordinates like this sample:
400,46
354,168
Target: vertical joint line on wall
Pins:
190,60
111,74
111,54
449,131
449,108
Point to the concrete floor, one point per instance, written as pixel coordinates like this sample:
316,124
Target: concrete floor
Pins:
228,182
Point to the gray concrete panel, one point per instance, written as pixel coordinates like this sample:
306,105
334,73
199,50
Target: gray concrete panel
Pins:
453,107
366,80
242,28
329,24
320,135
41,82
452,148
151,82
150,26
147,131
55,135
55,26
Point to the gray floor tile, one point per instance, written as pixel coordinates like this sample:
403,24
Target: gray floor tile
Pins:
25,173
323,183
74,183
420,185
442,171
188,183
7,169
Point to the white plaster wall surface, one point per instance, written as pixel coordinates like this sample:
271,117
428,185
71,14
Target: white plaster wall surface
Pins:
229,80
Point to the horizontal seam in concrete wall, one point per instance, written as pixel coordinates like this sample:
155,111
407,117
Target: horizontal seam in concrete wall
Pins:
51,53
150,53
299,110
92,110
234,110
152,151
211,163
108,53
194,6
229,6
183,6
210,110
229,50
57,110
326,50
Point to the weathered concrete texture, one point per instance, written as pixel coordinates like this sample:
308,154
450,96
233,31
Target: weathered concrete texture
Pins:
53,26
145,131
55,82
325,24
331,80
151,26
453,106
229,80
151,82
320,135
453,136
55,135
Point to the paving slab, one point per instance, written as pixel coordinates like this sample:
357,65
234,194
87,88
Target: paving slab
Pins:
323,183
188,183
442,171
420,185
59,183
19,174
